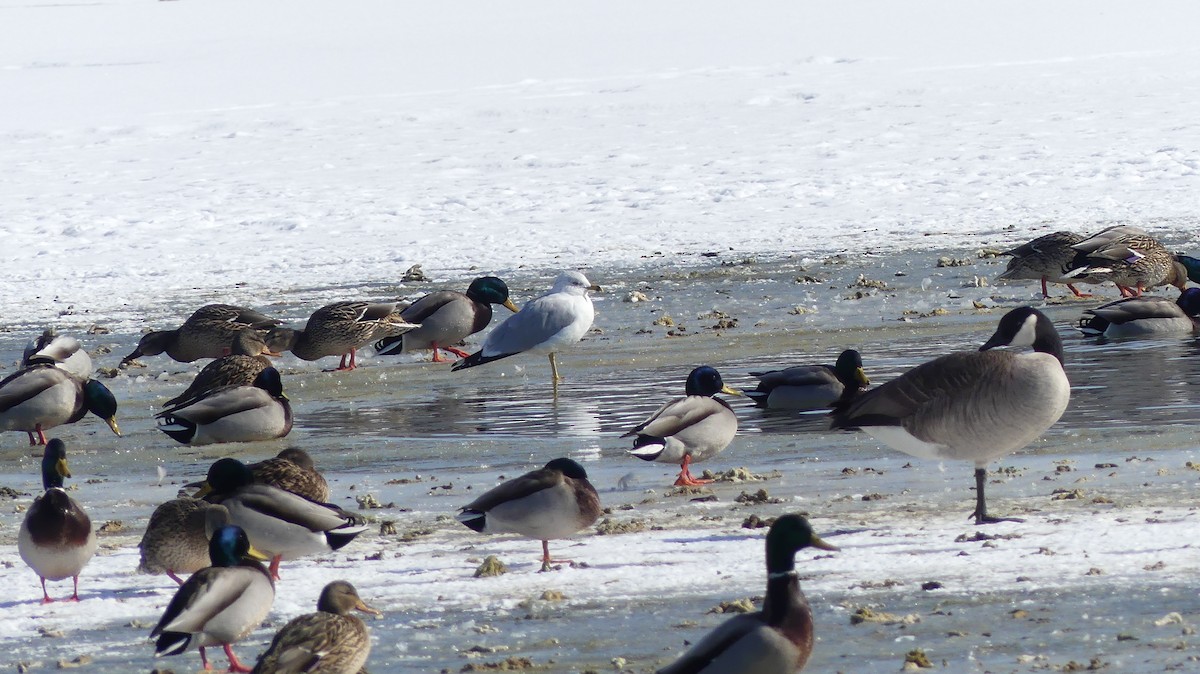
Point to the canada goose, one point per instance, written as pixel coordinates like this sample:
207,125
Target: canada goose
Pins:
976,406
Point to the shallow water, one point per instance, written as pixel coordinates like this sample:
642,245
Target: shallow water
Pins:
450,435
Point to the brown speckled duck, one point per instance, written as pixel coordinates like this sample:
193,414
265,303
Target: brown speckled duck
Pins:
341,329
292,470
1130,258
330,641
247,359
56,538
207,333
1045,258
779,638
177,536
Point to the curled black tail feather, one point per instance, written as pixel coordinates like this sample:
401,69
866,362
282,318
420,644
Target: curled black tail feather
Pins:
390,345
474,359
172,643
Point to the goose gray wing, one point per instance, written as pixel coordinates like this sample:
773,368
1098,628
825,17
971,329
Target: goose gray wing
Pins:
927,389
516,488
204,595
220,404
28,383
678,415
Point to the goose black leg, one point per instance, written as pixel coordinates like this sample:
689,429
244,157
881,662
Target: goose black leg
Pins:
980,514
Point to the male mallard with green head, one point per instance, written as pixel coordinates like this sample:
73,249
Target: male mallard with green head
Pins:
447,317
779,638
56,538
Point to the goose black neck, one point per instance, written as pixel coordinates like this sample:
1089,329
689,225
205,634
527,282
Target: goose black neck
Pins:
1048,341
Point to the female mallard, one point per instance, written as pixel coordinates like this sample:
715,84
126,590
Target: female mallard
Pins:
280,523
232,414
40,397
177,536
340,329
690,429
220,604
292,470
810,387
1145,316
447,317
247,358
546,324
1132,260
58,350
976,406
56,538
205,334
1046,258
330,641
552,502
779,638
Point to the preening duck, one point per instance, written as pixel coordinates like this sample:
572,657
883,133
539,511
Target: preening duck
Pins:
447,317
975,406
690,429
552,502
293,470
1130,258
56,538
59,350
779,638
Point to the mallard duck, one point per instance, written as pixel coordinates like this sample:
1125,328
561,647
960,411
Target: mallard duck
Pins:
58,350
544,325
340,329
247,358
292,470
330,641
1131,259
177,535
56,538
39,397
220,604
554,501
205,334
280,523
975,406
690,429
810,387
779,638
1145,316
1046,258
232,414
448,317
